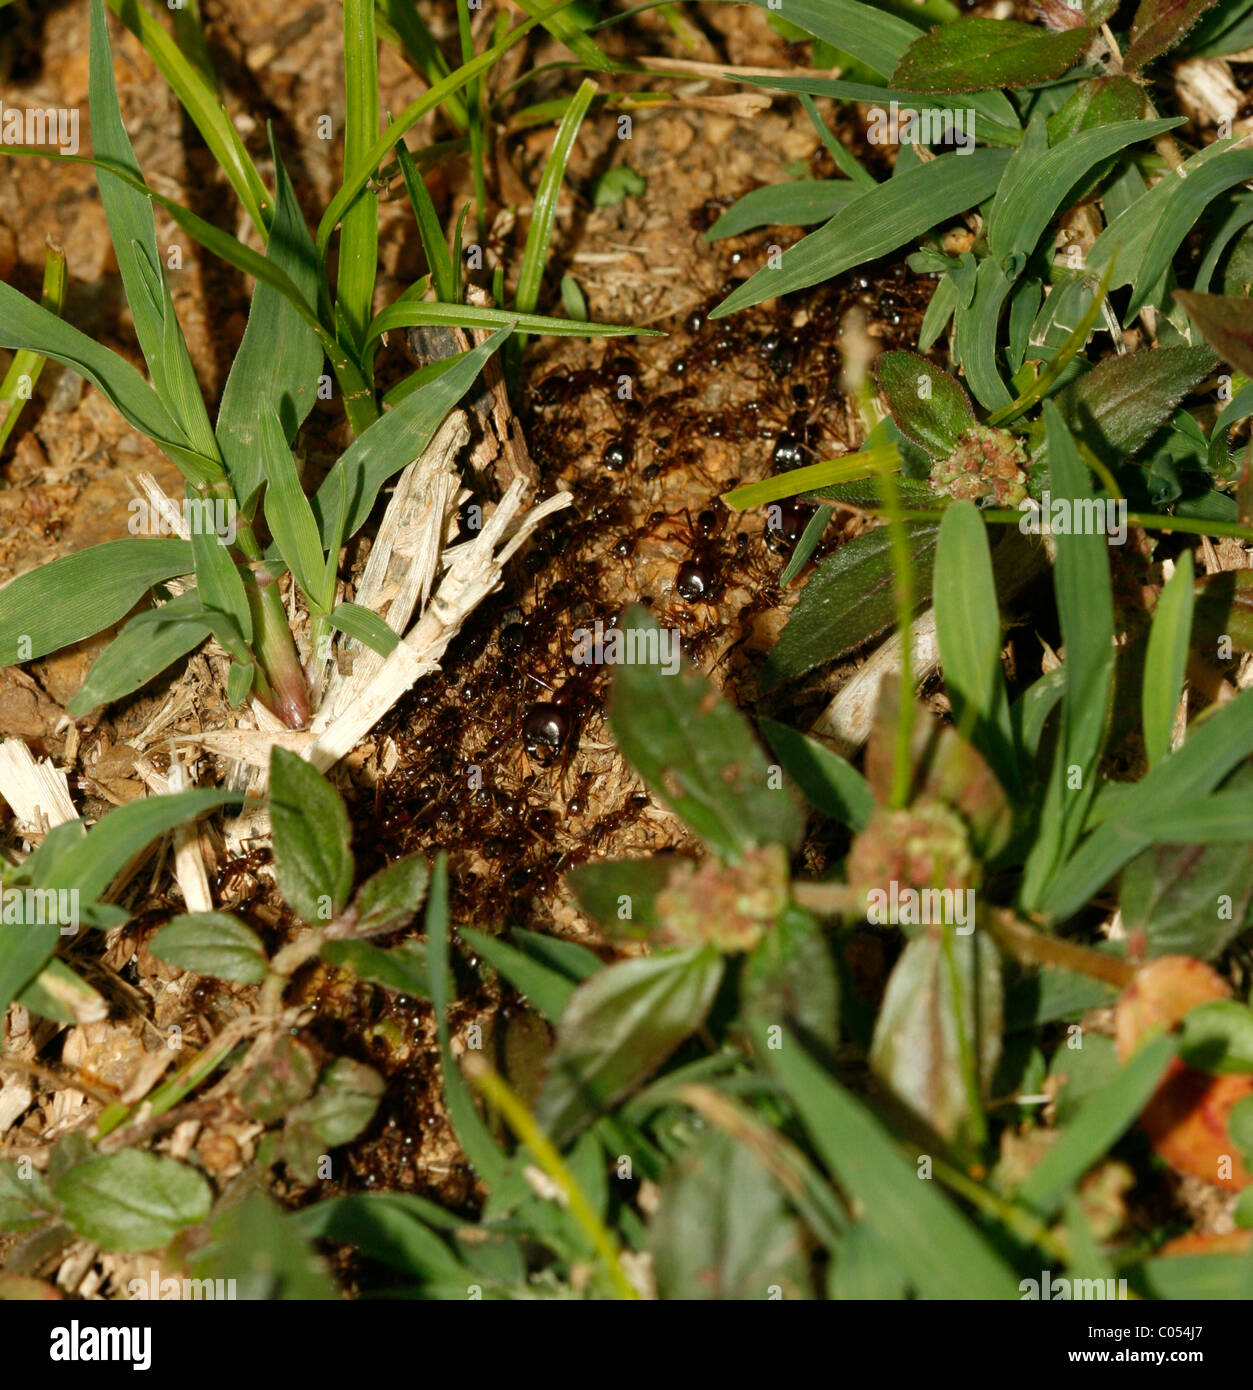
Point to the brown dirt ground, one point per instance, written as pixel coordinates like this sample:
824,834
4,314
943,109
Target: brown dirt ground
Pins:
709,405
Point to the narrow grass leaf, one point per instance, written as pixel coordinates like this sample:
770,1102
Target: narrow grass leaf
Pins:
968,626
1166,659
925,1232
366,626
24,371
545,989
694,750
882,220
358,236
287,510
1099,1123
1082,584
149,643
797,204
471,1130
78,595
438,257
279,357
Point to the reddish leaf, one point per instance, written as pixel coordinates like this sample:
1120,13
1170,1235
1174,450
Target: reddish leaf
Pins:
971,55
1226,322
1159,25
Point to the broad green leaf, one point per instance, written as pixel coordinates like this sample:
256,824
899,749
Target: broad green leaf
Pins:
968,626
928,405
790,978
977,336
284,1077
312,860
1159,25
1085,607
1097,1126
1166,659
404,968
1123,400
149,643
942,1005
393,442
883,219
926,1234
695,751
830,783
1078,1072
971,55
1197,1278
78,595
848,600
260,1246
394,1227
619,893
344,1103
1227,324
1190,899
212,943
25,1202
798,204
1016,224
723,1230
546,990
1218,1037
391,897
1099,101
279,356
618,1027
132,1200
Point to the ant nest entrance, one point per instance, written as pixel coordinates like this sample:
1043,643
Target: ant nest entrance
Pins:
507,760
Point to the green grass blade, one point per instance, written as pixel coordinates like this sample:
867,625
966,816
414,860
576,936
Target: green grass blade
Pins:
402,19
19,381
1211,750
79,595
356,178
1085,606
279,358
434,245
143,649
1166,659
288,513
390,444
196,92
472,1133
544,214
928,1235
365,625
968,625
565,29
1100,1121
801,203
407,313
358,237
882,220
547,990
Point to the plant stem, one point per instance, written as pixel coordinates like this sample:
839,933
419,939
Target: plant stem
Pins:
1031,947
